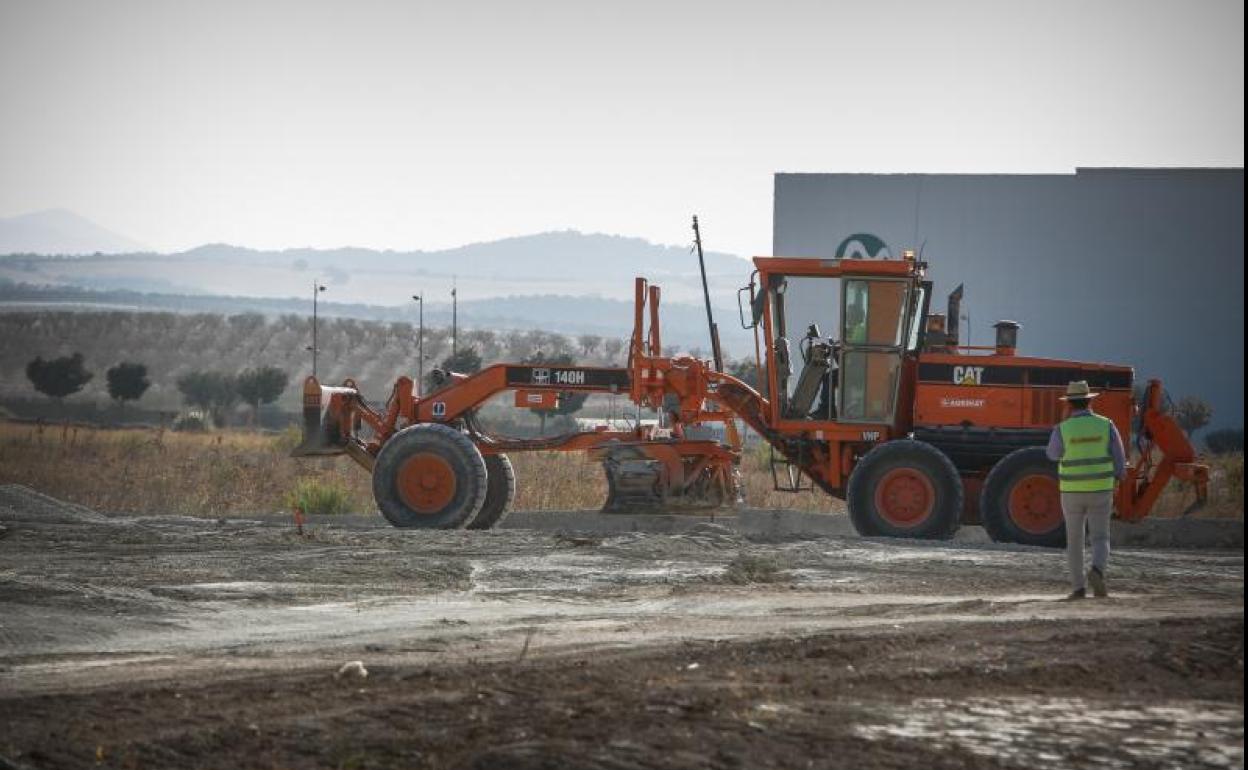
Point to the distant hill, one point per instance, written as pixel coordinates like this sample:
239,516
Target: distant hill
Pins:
565,263
57,231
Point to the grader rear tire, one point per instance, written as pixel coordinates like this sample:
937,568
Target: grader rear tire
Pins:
500,492
905,488
429,476
1021,503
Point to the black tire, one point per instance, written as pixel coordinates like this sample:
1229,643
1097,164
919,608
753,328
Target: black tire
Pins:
458,455
925,461
1021,467
500,492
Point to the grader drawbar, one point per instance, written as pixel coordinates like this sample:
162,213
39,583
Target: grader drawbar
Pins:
917,432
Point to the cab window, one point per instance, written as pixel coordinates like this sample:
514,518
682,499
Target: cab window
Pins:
874,329
874,312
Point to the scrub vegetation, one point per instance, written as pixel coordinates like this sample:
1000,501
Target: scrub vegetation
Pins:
233,472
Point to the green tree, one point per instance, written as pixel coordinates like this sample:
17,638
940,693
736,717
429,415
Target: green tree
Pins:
127,382
746,371
1192,413
59,377
213,392
589,343
261,385
570,401
1225,440
466,360
611,348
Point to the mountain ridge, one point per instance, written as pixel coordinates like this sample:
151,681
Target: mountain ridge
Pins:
565,262
61,232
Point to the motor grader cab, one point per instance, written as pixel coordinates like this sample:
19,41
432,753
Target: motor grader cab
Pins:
835,339
873,313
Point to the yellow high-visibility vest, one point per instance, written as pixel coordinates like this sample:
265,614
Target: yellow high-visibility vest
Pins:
1086,464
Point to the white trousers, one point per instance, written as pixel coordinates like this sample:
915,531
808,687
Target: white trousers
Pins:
1094,510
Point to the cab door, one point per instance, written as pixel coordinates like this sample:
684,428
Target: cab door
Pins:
875,321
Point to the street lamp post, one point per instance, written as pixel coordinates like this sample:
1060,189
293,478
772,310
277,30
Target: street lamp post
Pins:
317,288
420,343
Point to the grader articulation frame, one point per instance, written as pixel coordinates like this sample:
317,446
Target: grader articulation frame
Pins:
916,432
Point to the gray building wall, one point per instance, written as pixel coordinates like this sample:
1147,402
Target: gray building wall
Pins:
1135,266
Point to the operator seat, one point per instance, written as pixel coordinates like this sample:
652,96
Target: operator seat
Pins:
819,365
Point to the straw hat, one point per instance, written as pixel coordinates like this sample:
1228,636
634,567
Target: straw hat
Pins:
1078,389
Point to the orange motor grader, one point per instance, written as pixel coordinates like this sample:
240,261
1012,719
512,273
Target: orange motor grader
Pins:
916,432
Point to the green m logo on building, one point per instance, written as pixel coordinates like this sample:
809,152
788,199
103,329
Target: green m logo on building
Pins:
863,246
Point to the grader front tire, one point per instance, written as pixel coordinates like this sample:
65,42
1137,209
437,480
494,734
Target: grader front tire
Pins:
905,488
429,476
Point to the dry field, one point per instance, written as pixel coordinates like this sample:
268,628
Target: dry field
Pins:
225,473
233,472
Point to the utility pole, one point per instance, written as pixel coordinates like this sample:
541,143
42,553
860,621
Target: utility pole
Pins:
454,320
706,294
317,288
420,343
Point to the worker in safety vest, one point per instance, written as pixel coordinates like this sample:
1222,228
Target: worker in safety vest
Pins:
1090,458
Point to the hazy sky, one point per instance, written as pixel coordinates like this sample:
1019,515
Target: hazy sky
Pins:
423,125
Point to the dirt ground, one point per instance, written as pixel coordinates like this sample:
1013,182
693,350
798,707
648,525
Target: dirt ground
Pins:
172,642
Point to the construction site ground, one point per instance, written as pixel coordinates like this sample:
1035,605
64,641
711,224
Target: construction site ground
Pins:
586,641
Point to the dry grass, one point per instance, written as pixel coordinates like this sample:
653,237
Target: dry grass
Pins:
745,569
239,472
1226,491
557,481
153,471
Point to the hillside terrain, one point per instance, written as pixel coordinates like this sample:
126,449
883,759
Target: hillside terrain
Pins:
57,231
562,263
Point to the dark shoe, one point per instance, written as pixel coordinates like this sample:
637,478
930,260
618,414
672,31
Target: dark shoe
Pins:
1096,579
1081,593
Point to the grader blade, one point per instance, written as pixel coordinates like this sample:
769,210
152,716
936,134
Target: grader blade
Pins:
657,478
322,435
634,486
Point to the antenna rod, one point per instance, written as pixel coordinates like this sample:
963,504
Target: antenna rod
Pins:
706,294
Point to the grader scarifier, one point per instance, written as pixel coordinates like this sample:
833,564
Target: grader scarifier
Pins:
916,432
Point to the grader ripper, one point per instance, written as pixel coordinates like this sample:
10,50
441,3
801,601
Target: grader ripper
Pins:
916,432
